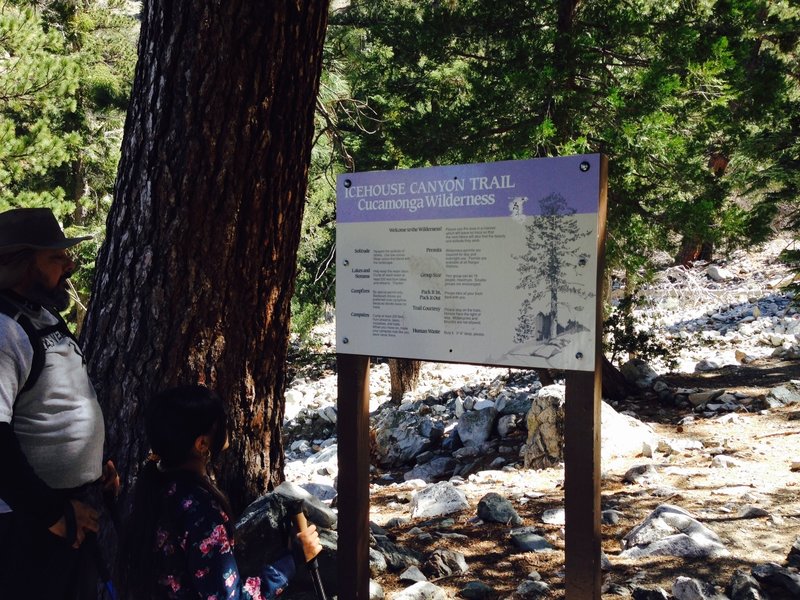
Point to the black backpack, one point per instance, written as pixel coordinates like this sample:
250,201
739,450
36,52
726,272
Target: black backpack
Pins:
8,307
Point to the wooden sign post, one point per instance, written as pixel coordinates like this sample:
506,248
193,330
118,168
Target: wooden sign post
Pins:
353,483
493,264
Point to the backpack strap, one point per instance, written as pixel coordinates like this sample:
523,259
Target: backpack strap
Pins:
8,308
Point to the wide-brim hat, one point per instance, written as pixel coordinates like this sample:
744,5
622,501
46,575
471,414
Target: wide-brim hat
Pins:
35,229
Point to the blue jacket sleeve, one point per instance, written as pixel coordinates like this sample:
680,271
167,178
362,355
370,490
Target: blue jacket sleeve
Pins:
275,577
213,570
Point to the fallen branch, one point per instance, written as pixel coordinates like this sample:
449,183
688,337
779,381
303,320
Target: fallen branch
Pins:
779,433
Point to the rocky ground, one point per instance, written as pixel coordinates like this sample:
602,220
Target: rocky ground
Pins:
721,442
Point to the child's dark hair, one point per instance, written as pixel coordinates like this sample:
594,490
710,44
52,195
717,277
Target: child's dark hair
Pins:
177,416
174,419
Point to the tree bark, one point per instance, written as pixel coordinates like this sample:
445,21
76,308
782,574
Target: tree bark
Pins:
693,249
403,376
615,386
196,273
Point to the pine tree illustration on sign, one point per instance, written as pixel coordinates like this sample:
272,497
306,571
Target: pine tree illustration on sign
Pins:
547,270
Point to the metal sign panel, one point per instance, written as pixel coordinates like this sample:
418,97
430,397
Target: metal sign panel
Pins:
492,263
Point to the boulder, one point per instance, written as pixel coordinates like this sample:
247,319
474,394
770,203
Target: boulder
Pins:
545,445
422,590
672,531
778,579
783,395
441,467
398,439
621,435
475,426
639,373
438,499
398,557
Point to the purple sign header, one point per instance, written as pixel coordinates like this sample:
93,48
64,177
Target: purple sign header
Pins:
468,191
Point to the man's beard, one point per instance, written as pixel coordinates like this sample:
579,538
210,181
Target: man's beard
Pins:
57,297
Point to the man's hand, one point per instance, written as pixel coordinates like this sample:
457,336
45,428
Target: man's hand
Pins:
110,480
86,519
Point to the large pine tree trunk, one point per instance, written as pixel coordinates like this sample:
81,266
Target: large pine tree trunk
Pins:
195,277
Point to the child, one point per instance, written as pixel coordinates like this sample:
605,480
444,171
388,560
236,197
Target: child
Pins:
178,541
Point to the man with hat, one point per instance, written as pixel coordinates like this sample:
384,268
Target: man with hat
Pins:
51,425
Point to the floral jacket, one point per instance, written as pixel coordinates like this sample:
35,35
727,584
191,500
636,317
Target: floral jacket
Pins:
195,553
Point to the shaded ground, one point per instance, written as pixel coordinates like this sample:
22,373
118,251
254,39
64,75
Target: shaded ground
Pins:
752,379
765,444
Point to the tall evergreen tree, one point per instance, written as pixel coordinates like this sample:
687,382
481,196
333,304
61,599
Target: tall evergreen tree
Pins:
196,273
39,81
64,88
674,93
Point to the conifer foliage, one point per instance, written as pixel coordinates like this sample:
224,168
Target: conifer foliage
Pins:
691,101
66,69
39,79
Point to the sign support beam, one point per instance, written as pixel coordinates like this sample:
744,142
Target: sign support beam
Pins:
353,482
582,485
582,455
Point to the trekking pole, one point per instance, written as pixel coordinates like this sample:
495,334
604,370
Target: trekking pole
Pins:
311,562
103,571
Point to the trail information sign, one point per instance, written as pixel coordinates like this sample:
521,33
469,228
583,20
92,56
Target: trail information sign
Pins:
492,263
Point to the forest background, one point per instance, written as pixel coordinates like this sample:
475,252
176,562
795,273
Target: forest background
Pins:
695,102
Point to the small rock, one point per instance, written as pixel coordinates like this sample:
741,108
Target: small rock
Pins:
743,586
753,512
672,531
532,589
687,588
475,426
641,474
722,461
783,395
793,558
476,590
493,508
554,516
642,593
703,398
706,365
528,540
412,574
443,563
718,274
375,590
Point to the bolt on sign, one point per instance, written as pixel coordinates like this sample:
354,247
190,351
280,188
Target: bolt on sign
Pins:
492,263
